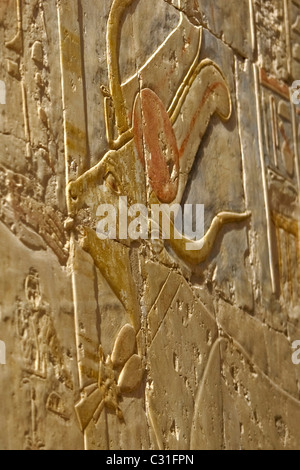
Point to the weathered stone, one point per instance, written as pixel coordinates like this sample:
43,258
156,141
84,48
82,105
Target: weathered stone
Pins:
124,346
132,374
135,342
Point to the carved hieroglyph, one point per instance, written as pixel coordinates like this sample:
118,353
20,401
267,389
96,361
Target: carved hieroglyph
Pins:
143,344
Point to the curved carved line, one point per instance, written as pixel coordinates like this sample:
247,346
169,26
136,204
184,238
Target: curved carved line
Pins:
175,110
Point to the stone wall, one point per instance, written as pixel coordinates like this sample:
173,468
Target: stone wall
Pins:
132,343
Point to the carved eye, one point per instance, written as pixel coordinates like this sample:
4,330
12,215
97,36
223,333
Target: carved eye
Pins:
112,183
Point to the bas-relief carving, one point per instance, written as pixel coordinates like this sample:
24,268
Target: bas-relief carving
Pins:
119,373
154,338
31,185
43,359
284,22
37,334
205,80
138,165
282,170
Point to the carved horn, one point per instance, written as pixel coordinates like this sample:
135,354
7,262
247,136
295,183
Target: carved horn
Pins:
113,43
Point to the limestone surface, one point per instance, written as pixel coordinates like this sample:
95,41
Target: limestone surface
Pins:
134,342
